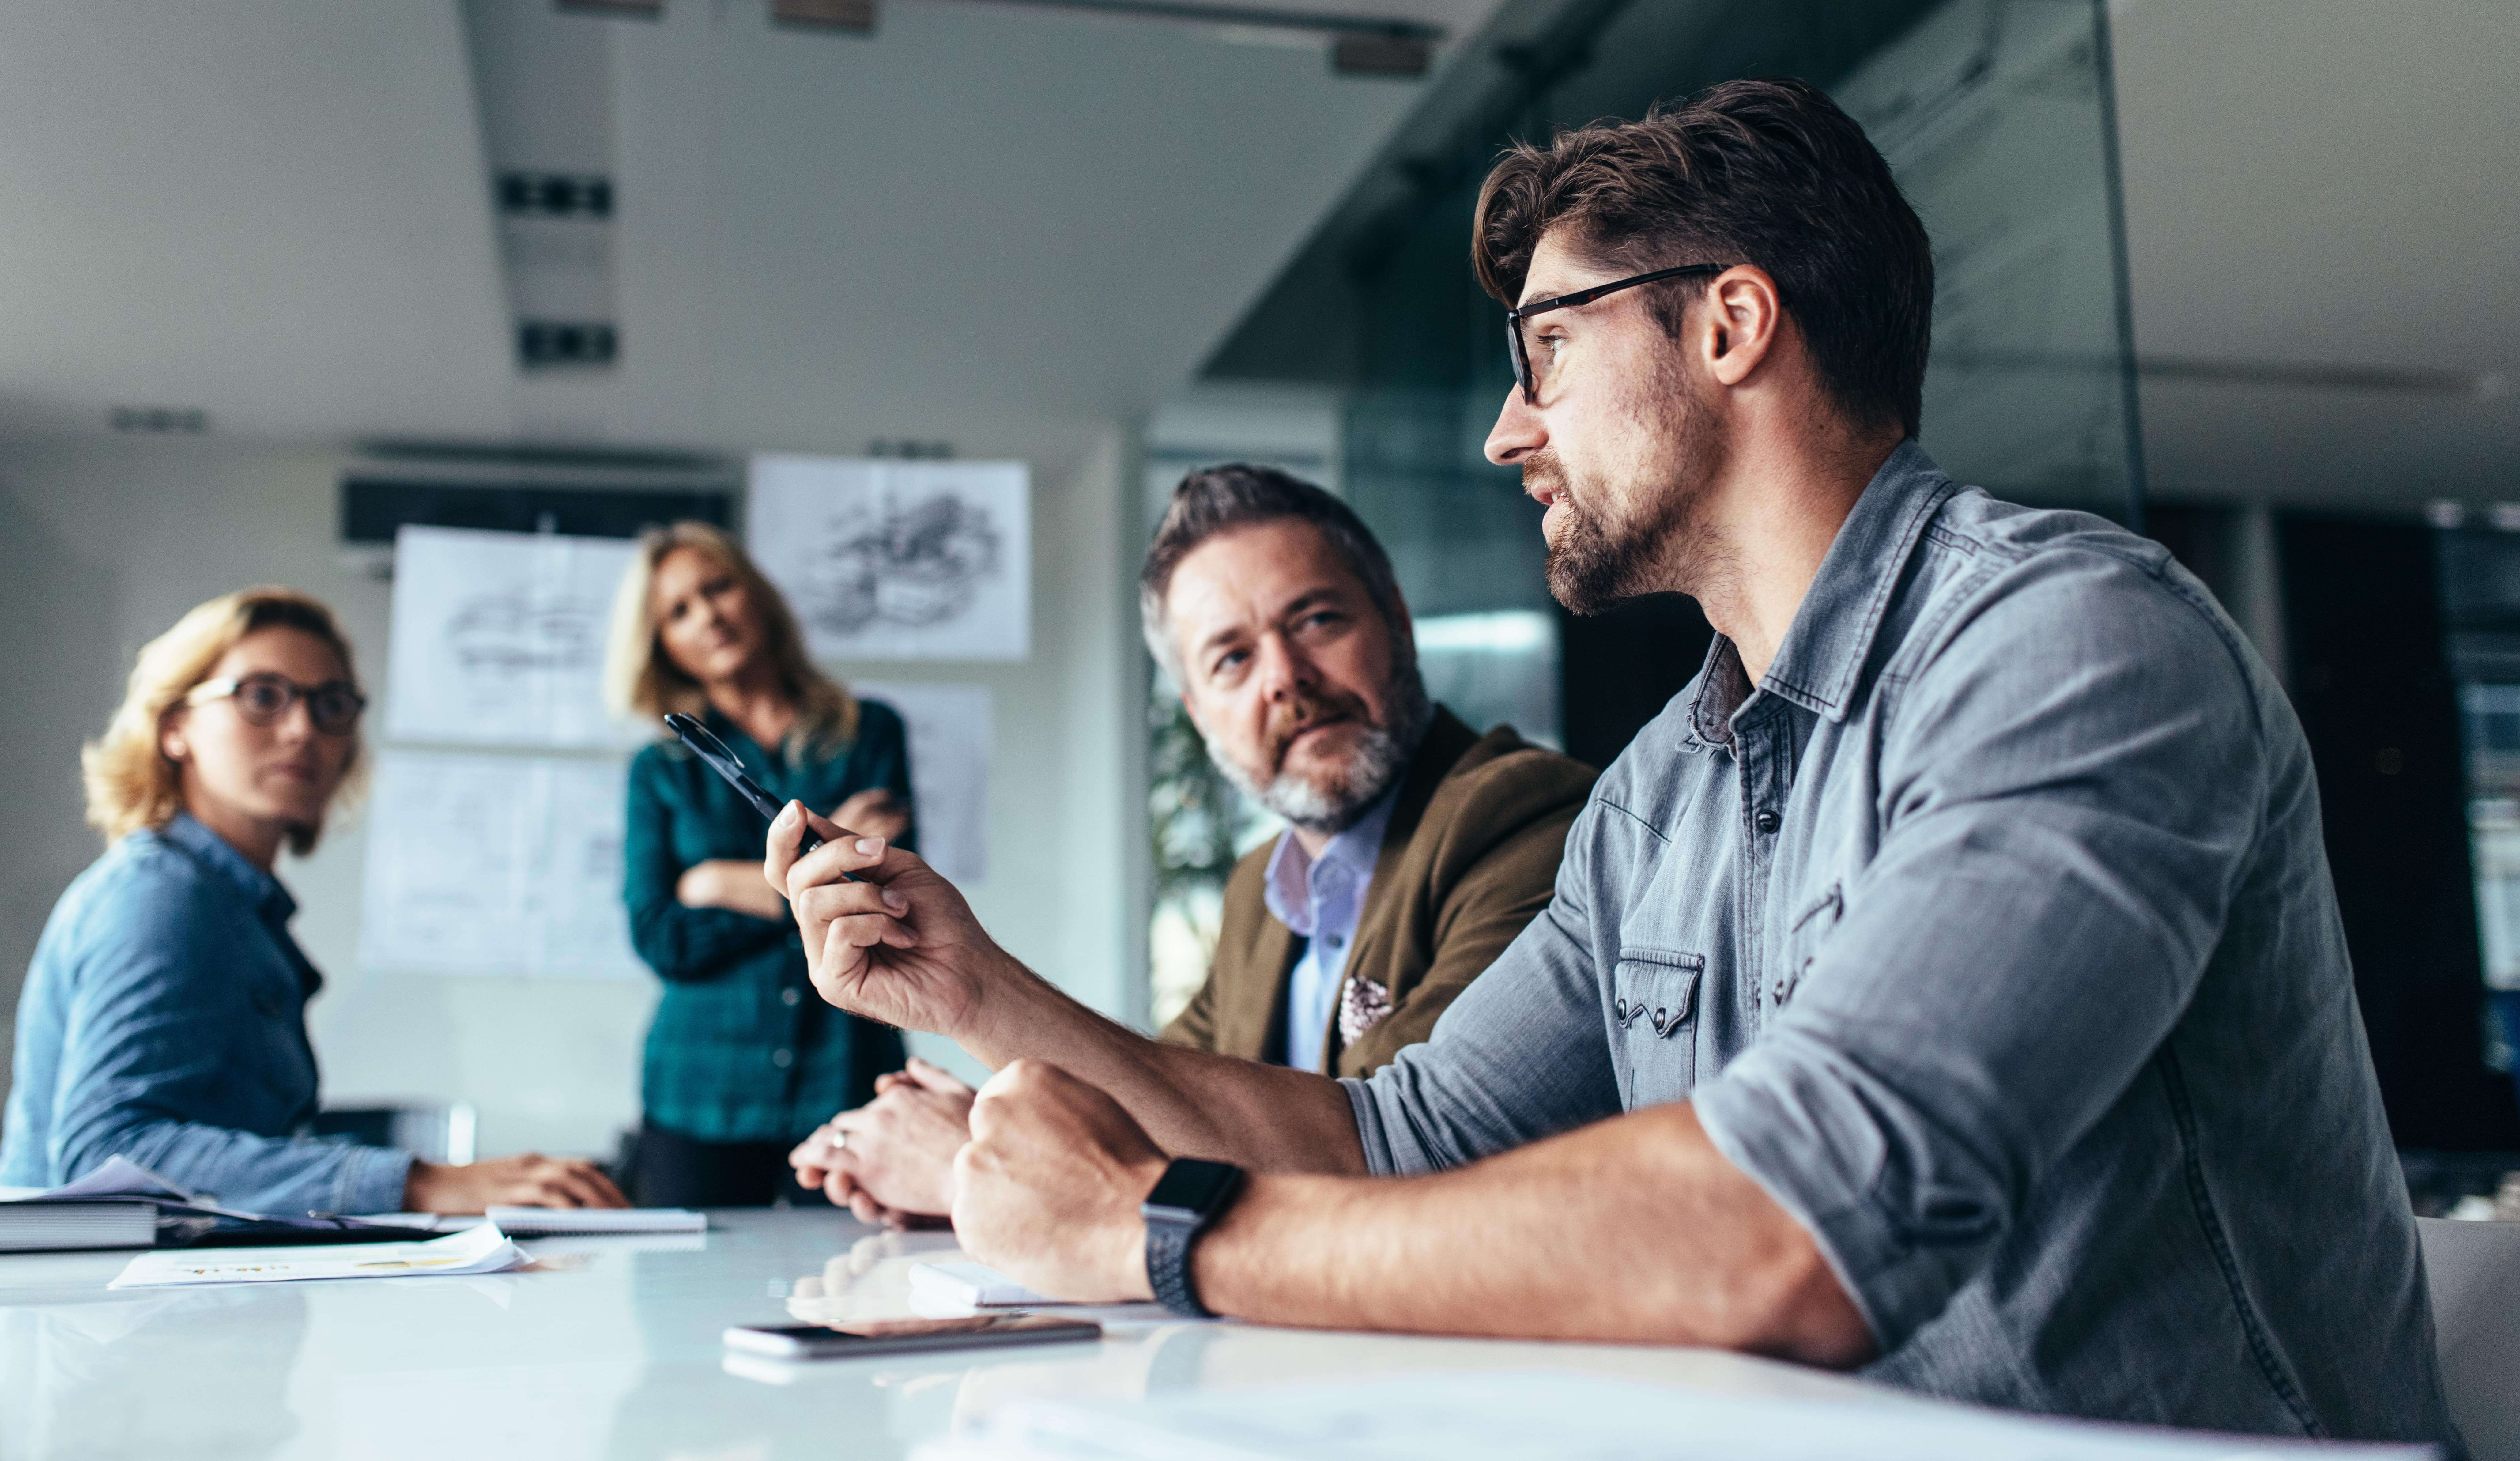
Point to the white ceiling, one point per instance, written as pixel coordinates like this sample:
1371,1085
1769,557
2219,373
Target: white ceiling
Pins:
1003,226
996,225
2325,184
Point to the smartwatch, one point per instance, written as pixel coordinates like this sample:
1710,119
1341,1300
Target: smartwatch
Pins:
1186,1199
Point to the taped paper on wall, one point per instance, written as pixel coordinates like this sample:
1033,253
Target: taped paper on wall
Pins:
898,560
496,864
498,638
950,731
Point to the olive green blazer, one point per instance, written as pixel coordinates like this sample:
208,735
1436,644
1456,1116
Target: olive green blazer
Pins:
1470,855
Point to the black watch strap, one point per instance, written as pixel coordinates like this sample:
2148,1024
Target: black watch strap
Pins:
1188,1197
1168,1268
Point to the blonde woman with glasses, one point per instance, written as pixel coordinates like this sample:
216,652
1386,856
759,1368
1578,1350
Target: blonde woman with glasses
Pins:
743,1059
164,1014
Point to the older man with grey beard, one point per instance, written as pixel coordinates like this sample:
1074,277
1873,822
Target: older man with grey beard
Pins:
1416,848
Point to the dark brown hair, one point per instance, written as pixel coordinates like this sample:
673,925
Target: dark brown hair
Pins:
1767,172
1220,499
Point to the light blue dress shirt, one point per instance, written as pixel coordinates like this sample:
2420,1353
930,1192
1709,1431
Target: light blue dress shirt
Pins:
1321,899
165,1020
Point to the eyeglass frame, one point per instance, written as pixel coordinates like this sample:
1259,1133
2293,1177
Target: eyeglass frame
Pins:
1514,316
227,687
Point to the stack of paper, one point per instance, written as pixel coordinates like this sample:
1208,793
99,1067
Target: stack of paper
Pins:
40,1224
528,1223
480,1250
115,1205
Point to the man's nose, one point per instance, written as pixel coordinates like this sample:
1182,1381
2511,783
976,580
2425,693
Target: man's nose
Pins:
1518,431
1283,671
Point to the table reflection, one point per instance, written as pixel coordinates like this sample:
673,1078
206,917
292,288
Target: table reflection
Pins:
203,1373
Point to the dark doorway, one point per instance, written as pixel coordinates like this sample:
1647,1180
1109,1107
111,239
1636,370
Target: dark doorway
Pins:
2372,684
1620,668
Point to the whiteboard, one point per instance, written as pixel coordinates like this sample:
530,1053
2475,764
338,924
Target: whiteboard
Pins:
949,729
898,560
496,864
498,638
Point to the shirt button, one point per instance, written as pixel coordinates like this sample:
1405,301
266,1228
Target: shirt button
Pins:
788,997
1335,942
1766,820
782,1058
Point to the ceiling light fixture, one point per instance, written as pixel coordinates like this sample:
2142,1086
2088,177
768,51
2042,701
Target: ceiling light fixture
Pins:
850,16
1360,45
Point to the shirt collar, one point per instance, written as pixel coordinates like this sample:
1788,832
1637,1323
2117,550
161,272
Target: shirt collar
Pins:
1831,636
1286,887
260,889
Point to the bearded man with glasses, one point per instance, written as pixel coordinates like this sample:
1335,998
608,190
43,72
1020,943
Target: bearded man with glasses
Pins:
1948,984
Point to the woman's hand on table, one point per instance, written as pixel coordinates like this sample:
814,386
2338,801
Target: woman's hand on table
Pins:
731,884
531,1180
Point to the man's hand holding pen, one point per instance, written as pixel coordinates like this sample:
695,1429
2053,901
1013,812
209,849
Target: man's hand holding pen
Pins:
885,935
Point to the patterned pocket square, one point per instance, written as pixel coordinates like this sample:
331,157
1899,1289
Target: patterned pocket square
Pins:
1360,1008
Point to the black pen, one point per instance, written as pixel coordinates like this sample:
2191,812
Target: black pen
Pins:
712,749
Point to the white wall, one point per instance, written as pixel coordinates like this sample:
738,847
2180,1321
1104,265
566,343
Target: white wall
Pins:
104,543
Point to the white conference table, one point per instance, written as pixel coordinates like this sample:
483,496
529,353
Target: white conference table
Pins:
609,1348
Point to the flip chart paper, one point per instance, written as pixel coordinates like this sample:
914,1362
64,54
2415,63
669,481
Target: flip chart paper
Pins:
499,637
887,559
950,731
496,864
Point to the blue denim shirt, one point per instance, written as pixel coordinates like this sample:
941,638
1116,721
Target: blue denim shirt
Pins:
1992,935
165,1020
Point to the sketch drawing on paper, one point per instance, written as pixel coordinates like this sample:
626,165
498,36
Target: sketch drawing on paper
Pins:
498,638
496,864
921,564
499,634
898,560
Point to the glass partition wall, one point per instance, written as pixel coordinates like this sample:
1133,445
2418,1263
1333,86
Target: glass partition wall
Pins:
1997,117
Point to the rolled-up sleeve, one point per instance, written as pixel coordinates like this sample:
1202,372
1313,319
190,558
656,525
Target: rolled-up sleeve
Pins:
2063,826
1518,1056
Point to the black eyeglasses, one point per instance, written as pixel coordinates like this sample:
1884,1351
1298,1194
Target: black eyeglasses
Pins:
1521,348
264,697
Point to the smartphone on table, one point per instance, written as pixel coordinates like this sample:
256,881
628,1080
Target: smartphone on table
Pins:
906,1335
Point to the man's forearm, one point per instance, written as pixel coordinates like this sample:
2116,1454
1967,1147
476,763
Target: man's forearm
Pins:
1634,1229
1194,1104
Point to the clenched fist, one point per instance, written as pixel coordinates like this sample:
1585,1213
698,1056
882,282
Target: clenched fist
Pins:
1046,1191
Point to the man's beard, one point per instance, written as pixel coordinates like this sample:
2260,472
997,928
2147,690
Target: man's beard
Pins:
1381,759
1660,543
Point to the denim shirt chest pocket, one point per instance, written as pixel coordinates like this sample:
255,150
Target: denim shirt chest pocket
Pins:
1653,1015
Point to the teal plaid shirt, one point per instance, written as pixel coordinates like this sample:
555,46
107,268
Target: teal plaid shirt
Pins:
741,1048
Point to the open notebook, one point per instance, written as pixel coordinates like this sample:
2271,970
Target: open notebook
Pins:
529,1222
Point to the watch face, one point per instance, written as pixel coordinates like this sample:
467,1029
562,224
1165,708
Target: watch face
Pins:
1192,1187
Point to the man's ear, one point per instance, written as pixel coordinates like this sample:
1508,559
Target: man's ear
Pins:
1743,317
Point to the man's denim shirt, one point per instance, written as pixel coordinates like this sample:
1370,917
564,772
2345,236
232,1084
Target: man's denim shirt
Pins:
1992,935
165,1020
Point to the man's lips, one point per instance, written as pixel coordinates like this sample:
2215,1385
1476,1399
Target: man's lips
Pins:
1299,734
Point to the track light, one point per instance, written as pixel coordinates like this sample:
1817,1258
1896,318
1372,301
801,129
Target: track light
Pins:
852,17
